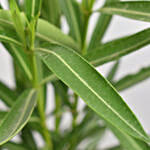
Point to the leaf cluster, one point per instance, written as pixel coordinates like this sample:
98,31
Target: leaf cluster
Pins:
31,31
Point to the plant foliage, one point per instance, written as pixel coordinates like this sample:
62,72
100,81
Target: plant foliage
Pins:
31,31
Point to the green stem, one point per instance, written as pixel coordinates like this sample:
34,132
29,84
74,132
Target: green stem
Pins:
40,104
84,51
74,111
87,13
57,112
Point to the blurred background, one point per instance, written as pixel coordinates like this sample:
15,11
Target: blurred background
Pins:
137,97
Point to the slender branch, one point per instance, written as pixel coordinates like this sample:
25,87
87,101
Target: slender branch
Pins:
40,104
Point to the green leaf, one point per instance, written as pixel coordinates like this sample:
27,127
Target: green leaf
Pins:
95,139
27,137
116,148
93,88
45,31
87,4
21,58
14,146
48,7
6,94
132,79
138,10
113,72
33,118
62,90
68,8
118,48
5,19
32,8
99,30
113,50
2,115
18,23
129,142
8,39
18,116
52,34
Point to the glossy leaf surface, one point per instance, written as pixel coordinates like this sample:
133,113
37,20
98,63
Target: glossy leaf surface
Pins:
92,88
18,116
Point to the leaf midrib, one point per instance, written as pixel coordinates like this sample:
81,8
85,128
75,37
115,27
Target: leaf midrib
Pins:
119,52
90,88
20,119
33,8
133,12
10,39
77,34
28,72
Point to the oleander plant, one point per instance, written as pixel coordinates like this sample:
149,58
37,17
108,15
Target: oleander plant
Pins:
42,53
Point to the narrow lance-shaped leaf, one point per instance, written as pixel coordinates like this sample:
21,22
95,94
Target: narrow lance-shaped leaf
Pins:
94,89
100,29
114,50
33,118
16,18
52,34
20,57
32,8
118,48
51,11
27,137
5,19
8,39
18,116
113,72
132,79
94,141
138,10
45,31
67,6
6,94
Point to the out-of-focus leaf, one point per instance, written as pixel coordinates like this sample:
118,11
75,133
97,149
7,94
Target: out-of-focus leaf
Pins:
21,58
96,133
18,116
8,39
6,94
128,142
100,29
83,79
118,48
62,91
14,146
28,139
32,8
113,71
51,11
86,129
52,34
132,79
17,21
138,10
68,8
45,31
115,148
